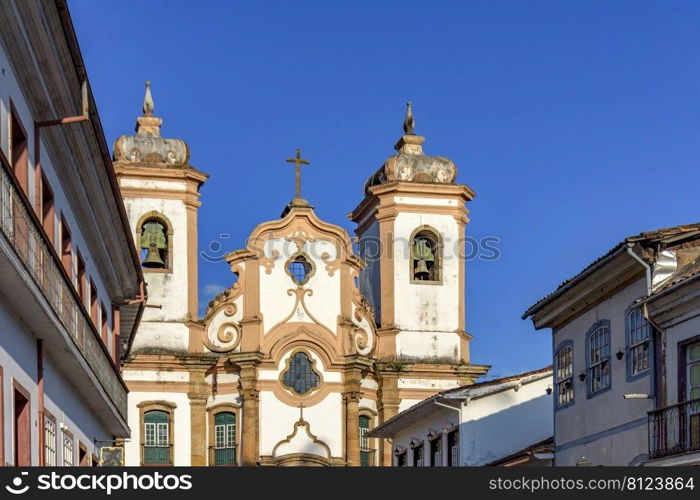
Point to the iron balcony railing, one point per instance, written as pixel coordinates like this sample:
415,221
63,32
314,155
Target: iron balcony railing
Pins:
22,229
367,457
223,455
156,454
674,430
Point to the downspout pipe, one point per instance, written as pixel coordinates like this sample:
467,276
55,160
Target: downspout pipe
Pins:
647,267
658,398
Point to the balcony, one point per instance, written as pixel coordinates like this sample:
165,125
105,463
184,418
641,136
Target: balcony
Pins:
223,456
157,455
367,457
674,430
38,288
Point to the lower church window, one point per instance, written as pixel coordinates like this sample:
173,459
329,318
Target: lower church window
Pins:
156,445
366,453
224,450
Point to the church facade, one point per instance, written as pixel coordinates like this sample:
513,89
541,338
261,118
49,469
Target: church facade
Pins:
314,343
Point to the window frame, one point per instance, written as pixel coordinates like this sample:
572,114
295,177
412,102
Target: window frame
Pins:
22,175
168,408
371,449
436,450
287,367
415,461
592,366
309,274
48,451
66,438
452,461
631,345
435,235
213,411
567,344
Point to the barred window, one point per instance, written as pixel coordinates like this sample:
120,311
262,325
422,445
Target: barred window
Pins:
156,445
366,453
49,441
436,452
68,451
564,375
639,336
453,449
599,359
418,456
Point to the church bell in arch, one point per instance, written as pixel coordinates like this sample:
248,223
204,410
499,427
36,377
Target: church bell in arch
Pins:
153,241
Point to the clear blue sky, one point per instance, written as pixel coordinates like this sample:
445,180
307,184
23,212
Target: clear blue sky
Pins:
577,123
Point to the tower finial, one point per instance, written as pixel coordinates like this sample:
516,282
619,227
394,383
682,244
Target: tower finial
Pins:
409,123
148,101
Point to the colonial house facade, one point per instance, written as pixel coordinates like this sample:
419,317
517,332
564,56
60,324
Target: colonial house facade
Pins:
70,275
674,310
313,344
505,421
623,352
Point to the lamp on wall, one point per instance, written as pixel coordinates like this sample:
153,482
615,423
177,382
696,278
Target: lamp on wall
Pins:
548,390
619,354
582,376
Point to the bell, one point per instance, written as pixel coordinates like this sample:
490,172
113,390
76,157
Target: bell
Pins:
153,258
422,272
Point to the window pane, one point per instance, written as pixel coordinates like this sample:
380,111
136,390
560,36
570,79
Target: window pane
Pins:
300,376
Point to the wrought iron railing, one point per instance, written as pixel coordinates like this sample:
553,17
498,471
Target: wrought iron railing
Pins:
22,230
156,454
223,456
367,457
674,430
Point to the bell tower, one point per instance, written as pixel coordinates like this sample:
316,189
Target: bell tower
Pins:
161,194
411,229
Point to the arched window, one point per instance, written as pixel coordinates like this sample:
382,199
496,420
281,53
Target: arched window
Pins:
300,375
564,371
300,268
224,451
157,439
366,453
425,256
638,338
599,358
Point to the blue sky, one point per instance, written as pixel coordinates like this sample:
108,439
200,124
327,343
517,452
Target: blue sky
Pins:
577,123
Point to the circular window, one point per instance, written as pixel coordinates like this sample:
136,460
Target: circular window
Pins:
300,269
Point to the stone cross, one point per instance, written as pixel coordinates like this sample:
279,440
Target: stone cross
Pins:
298,162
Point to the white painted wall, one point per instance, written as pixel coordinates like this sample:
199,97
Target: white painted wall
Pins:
491,427
18,359
606,414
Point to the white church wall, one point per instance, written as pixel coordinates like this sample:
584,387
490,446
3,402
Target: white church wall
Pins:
427,383
168,290
166,336
276,304
426,329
